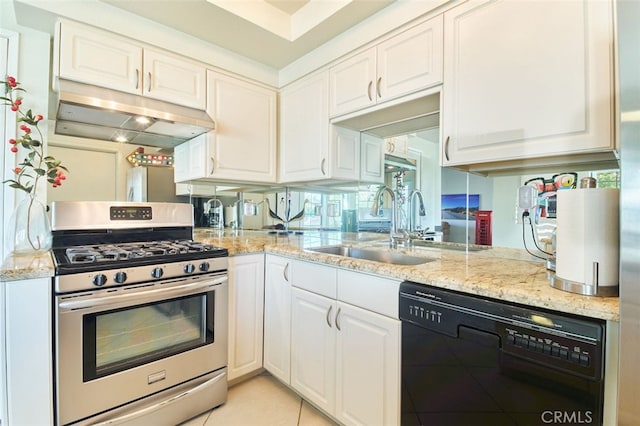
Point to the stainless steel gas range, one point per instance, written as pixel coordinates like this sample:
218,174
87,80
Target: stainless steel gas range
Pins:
140,326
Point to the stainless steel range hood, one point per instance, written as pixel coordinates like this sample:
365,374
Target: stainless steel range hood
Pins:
98,113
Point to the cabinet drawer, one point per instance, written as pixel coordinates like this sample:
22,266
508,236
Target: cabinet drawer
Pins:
369,292
315,278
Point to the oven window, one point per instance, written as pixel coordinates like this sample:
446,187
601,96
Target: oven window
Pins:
120,339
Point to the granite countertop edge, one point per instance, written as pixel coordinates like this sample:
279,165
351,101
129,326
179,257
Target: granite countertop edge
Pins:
27,266
494,273
504,274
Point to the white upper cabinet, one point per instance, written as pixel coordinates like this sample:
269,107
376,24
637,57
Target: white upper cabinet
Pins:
526,79
371,159
95,57
174,79
304,130
406,63
243,146
89,55
244,142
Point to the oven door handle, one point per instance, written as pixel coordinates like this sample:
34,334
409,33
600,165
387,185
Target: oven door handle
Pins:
180,290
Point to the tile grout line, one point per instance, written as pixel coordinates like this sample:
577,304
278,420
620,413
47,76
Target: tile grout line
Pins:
299,412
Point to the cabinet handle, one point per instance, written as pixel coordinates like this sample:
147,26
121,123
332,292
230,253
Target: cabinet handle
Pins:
137,78
286,272
369,89
378,86
446,148
337,322
329,316
149,82
324,160
213,162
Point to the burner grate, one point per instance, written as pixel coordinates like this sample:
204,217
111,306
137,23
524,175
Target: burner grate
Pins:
132,251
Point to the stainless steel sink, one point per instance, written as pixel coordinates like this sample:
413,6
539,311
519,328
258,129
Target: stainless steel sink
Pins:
384,256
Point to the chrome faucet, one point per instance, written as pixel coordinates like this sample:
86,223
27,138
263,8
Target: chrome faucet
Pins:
393,232
421,210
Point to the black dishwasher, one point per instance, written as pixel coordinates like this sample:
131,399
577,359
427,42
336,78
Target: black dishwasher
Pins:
470,361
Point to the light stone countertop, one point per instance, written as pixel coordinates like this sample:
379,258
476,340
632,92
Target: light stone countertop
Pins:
24,267
505,274
500,273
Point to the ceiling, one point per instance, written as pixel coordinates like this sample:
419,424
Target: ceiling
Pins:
271,32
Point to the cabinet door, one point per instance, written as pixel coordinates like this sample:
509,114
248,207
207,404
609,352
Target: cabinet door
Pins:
371,159
544,90
246,308
410,61
313,347
277,318
352,83
181,159
304,133
345,153
173,79
245,135
367,367
100,58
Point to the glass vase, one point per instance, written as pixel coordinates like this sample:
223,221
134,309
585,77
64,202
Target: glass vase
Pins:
29,229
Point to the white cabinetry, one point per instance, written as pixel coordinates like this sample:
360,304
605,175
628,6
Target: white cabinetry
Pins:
405,63
28,320
304,130
243,146
345,343
246,314
544,90
313,348
397,145
313,150
371,159
92,56
277,318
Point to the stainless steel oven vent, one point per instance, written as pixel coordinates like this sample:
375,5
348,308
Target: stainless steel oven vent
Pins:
97,113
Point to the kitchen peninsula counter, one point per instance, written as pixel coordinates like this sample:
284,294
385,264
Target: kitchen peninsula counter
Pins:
499,273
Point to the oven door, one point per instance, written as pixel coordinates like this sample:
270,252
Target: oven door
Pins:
114,346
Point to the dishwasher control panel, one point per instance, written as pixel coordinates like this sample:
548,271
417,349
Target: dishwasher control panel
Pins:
554,339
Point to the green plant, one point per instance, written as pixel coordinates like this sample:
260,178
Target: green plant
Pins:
35,165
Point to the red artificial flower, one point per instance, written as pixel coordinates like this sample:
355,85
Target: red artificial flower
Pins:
14,149
12,141
17,170
18,102
14,108
25,129
39,117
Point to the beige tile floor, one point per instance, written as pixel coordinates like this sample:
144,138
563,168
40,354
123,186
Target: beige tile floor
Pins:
259,401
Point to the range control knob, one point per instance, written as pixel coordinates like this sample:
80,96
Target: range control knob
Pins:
189,268
204,266
120,277
99,280
157,272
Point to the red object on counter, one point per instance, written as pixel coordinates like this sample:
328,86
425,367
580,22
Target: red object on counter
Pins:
483,227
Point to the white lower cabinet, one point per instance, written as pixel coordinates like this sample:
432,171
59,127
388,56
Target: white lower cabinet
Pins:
246,314
277,318
367,367
313,347
345,359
